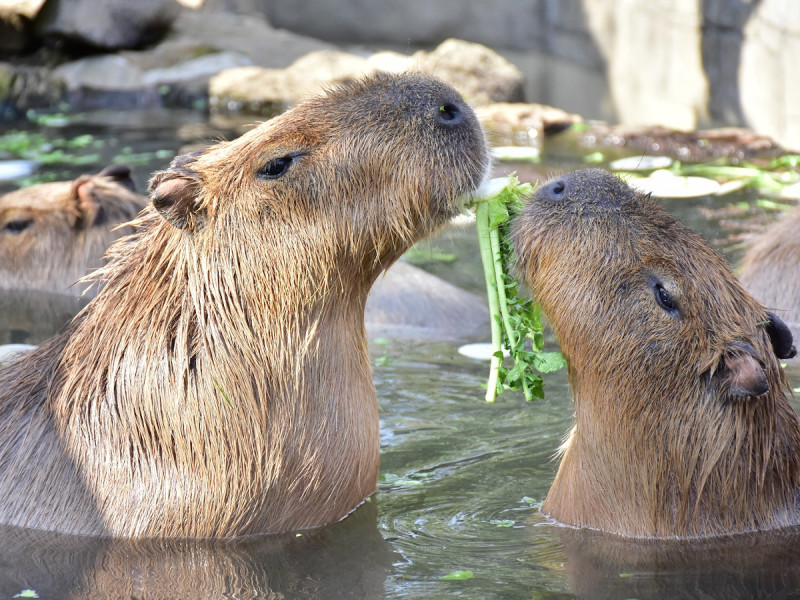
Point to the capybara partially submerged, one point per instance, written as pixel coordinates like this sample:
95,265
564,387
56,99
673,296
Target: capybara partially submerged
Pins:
682,425
52,234
219,384
771,269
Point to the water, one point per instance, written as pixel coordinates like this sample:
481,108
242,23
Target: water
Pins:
460,479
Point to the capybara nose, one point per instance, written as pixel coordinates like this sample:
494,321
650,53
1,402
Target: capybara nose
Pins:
450,114
555,190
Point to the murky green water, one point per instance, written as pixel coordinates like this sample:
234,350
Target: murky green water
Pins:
460,479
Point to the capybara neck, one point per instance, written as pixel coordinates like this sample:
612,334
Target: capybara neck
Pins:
219,384
53,234
682,425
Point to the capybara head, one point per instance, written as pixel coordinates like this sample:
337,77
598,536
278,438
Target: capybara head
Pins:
771,269
682,424
219,384
52,234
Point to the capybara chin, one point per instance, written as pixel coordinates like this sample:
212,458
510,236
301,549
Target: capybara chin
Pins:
52,234
682,426
219,384
771,269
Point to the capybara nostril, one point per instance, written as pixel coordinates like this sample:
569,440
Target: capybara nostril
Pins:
555,190
449,114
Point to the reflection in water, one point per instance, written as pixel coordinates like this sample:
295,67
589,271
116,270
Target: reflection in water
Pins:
347,560
764,565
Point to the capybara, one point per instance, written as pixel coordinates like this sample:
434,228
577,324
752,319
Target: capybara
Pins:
52,234
682,424
219,383
771,269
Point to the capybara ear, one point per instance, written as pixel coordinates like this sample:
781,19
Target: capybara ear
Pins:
742,373
781,337
121,174
86,206
175,194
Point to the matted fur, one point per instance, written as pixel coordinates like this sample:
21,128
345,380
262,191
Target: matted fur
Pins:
662,445
53,234
219,384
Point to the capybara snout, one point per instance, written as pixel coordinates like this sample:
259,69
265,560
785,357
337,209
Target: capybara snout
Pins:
682,426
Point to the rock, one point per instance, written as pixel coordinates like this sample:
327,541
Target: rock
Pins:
255,88
23,87
735,143
200,32
195,73
103,72
523,124
501,23
108,25
479,73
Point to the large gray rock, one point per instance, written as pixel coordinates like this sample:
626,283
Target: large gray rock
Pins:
108,25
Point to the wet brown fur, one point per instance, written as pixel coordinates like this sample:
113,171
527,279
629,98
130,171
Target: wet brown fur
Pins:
771,269
219,385
663,443
52,234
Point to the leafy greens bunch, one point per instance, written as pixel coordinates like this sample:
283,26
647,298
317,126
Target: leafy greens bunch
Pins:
514,320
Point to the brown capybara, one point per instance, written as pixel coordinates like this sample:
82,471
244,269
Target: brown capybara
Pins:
219,384
682,426
771,269
52,234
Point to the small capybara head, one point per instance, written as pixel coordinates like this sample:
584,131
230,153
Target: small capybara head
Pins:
219,384
674,367
52,234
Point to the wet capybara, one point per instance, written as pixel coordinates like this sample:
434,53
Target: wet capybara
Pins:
682,425
219,384
52,234
771,269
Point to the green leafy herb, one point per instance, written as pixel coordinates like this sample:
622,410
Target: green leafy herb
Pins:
514,320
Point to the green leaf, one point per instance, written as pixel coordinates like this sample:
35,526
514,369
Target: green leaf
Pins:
503,522
458,576
221,391
547,362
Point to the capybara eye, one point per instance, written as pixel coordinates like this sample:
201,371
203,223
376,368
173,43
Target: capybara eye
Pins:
449,114
276,167
17,225
664,298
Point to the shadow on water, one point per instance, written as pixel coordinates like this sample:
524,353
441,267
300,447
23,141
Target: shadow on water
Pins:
349,560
